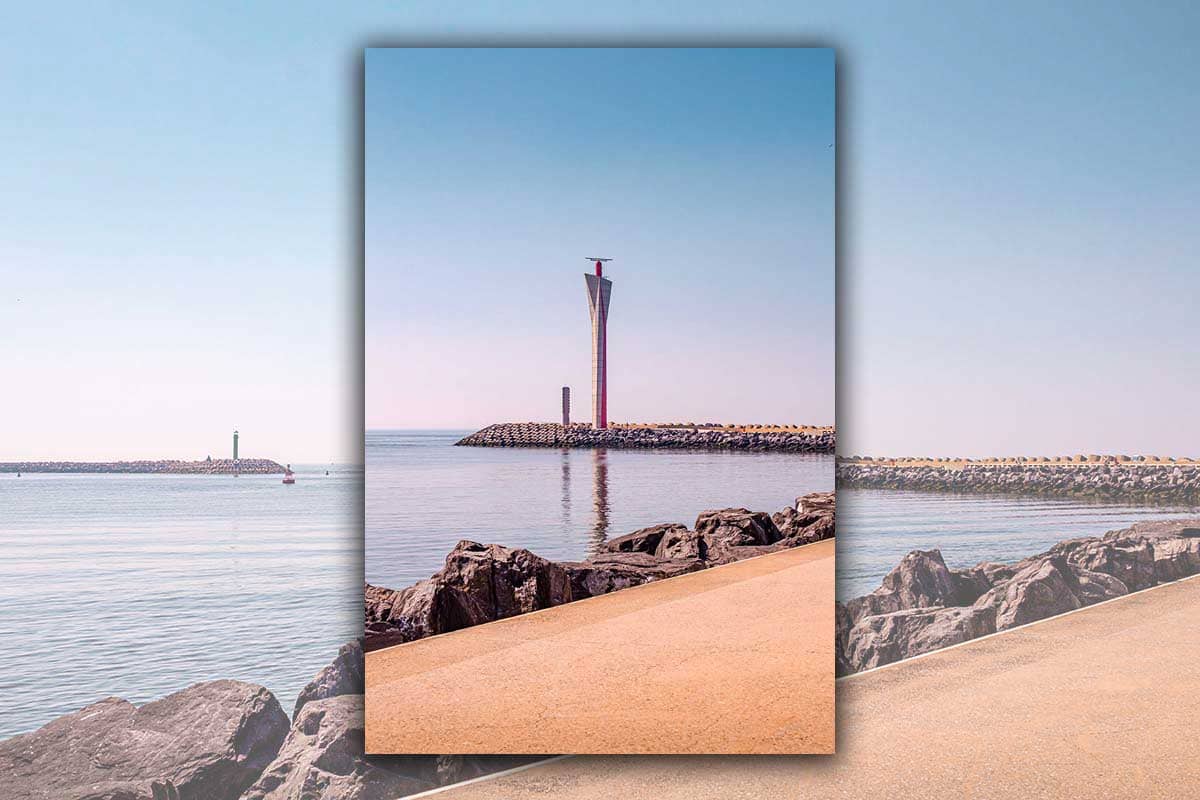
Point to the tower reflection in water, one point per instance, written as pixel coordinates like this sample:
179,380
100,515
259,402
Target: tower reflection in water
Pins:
566,491
600,508
599,499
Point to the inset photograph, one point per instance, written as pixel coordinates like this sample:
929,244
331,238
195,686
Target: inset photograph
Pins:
599,400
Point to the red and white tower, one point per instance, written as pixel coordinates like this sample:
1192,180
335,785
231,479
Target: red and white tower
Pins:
599,289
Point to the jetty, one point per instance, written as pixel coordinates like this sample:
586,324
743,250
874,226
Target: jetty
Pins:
1106,698
659,436
1152,479
215,466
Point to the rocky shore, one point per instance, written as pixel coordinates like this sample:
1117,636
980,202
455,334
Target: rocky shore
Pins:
698,437
225,740
216,466
922,605
1155,481
485,582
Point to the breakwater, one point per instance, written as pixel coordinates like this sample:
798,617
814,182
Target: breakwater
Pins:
1151,481
216,466
797,439
922,605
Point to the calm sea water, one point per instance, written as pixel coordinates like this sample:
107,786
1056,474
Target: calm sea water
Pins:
423,495
876,528
140,585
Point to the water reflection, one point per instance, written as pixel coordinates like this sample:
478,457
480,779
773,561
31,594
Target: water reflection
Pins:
599,499
566,490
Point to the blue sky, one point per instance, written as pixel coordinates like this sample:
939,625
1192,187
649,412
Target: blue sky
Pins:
708,175
178,217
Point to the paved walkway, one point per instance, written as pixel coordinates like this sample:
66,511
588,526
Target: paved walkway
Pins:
734,659
1104,702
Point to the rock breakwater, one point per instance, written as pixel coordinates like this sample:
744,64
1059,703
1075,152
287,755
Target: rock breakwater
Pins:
699,437
922,605
216,466
1157,482
484,582
226,740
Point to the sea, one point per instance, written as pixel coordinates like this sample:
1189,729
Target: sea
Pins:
423,495
136,586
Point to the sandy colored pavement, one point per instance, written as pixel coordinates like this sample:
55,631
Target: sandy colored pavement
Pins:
733,659
1100,703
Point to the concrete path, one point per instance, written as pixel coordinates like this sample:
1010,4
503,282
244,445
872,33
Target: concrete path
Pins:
1103,702
734,659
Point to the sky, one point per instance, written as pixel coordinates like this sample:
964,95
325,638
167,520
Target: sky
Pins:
181,228
706,174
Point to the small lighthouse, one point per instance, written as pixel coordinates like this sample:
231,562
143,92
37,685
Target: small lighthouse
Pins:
235,455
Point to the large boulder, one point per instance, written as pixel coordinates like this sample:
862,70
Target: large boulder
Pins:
610,572
680,543
207,742
1095,587
1043,588
1129,559
736,527
479,583
1176,558
486,582
645,540
973,582
322,757
920,580
796,528
811,519
1175,545
885,638
817,503
394,616
343,676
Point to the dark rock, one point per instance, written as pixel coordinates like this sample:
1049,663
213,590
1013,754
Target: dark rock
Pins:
1130,560
343,676
610,572
207,742
1095,587
479,583
920,580
645,540
736,527
884,638
972,583
1045,587
680,543
486,582
823,503
1175,545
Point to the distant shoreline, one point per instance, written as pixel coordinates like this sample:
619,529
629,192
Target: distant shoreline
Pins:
710,436
221,466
